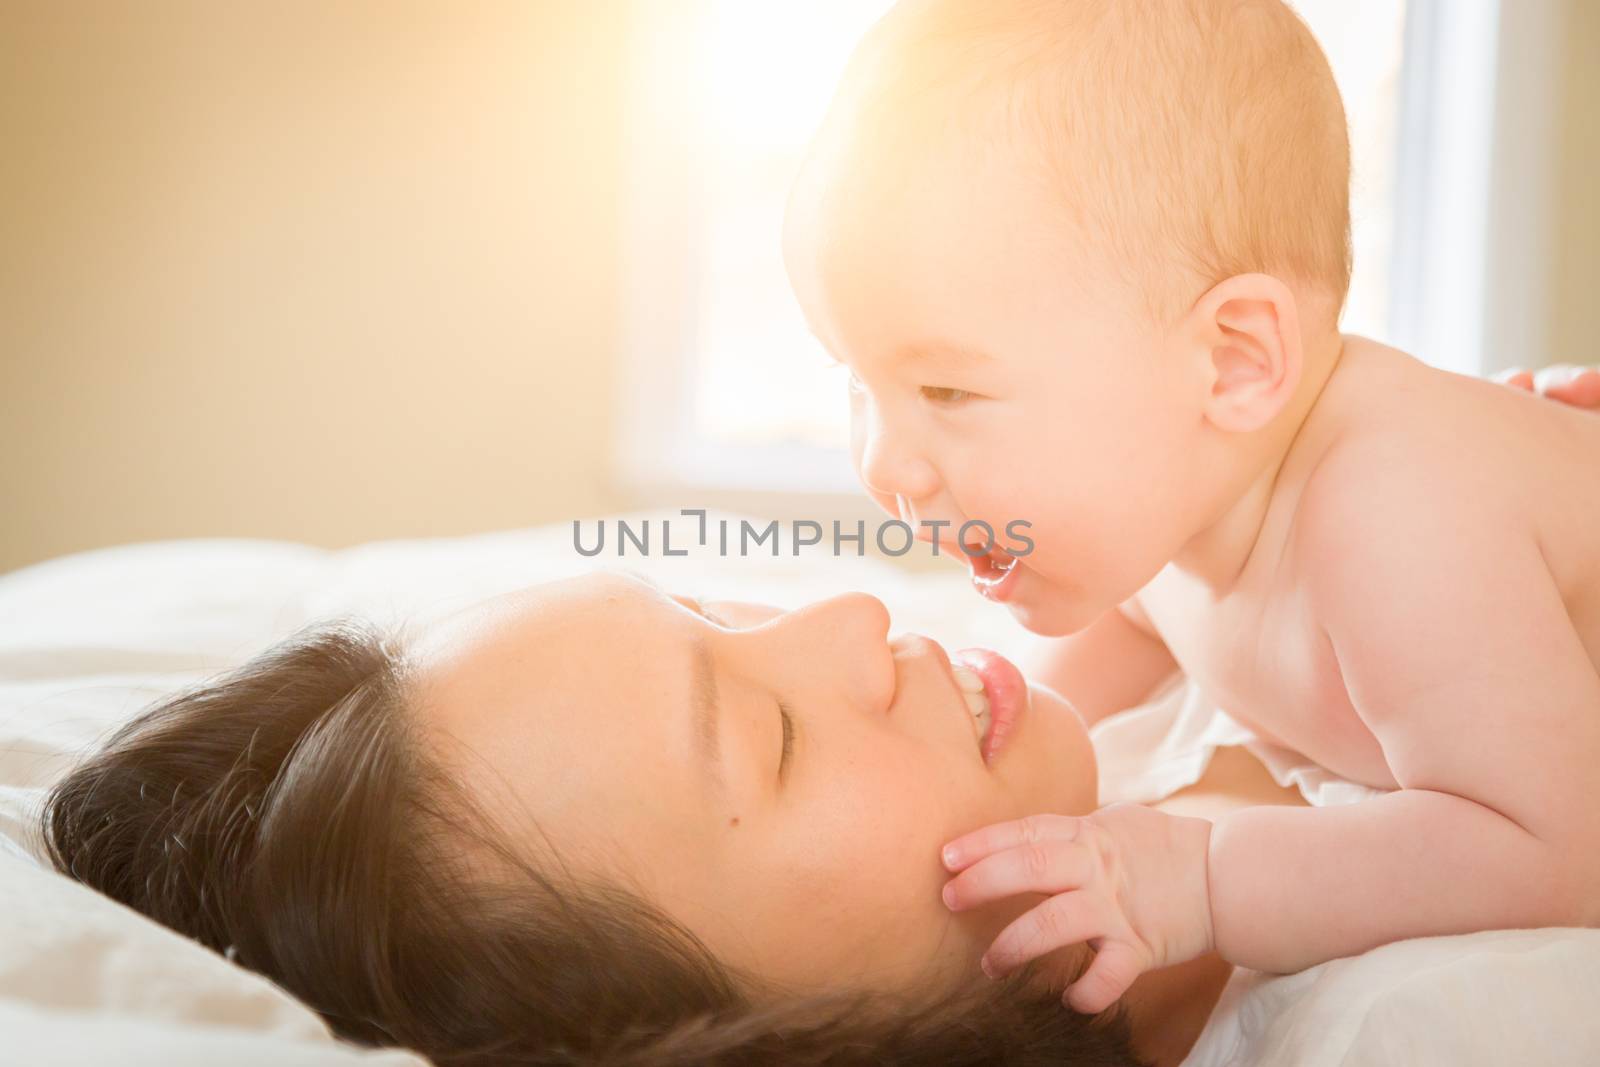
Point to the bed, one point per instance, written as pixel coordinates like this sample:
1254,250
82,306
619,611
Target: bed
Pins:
87,640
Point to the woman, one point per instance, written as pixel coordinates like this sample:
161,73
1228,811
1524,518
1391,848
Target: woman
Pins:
562,827
590,823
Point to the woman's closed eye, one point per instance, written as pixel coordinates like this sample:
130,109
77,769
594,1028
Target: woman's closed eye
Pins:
695,606
785,712
786,752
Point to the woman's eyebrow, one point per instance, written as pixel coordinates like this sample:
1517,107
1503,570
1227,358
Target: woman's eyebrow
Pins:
704,711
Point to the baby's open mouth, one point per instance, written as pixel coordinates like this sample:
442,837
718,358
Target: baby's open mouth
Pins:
993,570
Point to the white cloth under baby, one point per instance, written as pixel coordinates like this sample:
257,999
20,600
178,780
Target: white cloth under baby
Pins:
1151,751
1476,1000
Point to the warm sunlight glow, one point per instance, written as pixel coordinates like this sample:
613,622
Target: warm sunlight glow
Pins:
741,86
768,75
770,69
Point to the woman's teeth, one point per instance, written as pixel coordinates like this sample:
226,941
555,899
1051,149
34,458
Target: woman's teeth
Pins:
972,692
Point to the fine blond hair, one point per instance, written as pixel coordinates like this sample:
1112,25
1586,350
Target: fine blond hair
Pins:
1188,141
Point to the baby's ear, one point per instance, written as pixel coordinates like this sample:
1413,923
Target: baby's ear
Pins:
1247,332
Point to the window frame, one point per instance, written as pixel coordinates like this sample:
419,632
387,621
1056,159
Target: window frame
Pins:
1475,167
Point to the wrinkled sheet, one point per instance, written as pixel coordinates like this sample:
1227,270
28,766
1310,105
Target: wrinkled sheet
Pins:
88,640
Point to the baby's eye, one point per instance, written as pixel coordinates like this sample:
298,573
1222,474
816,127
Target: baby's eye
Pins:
939,394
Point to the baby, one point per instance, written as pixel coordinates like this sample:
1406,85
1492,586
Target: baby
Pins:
1085,260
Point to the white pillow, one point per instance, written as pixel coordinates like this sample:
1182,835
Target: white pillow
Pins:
85,980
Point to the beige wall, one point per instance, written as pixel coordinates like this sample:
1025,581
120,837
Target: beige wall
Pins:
332,272
1575,326
325,272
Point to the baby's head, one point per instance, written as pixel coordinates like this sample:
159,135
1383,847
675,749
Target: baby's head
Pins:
1085,259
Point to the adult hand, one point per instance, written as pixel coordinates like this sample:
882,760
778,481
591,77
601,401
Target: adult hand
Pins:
1578,386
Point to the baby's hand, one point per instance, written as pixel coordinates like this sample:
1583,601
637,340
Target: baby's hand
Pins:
1130,881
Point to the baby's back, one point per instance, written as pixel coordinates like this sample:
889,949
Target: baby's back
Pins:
1386,426
1541,458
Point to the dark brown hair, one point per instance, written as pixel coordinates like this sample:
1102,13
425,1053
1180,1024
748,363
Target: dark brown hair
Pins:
284,815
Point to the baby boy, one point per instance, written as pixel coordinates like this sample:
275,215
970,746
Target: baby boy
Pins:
1085,260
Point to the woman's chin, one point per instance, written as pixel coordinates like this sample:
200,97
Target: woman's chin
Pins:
1043,695
1060,738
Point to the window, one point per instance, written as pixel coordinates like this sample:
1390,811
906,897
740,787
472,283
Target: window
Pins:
727,388
1363,40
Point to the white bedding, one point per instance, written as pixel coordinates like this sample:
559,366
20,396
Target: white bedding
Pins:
87,640
1493,998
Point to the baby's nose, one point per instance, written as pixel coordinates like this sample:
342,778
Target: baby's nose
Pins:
887,467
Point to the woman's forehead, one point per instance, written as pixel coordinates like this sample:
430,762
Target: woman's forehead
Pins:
589,603
564,708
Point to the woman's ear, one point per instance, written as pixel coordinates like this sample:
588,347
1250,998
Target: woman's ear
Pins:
1247,332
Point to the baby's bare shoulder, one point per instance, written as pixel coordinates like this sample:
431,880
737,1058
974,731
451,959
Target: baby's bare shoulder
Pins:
1420,467
1409,422
1387,409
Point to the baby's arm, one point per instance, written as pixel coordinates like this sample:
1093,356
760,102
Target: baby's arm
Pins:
1459,654
1113,664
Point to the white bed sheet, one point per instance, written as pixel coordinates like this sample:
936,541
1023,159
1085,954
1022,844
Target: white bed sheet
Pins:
87,640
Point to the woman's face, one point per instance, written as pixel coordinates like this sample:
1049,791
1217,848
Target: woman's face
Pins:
637,736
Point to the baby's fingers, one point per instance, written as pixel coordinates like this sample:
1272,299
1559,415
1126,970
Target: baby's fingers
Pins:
1114,967
1065,919
1034,829
1041,867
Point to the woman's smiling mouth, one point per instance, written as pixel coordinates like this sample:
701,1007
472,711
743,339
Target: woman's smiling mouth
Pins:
970,682
992,690
1005,693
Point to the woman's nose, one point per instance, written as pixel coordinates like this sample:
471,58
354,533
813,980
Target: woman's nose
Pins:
861,616
842,645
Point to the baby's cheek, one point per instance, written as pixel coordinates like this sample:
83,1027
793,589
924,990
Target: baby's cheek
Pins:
992,488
